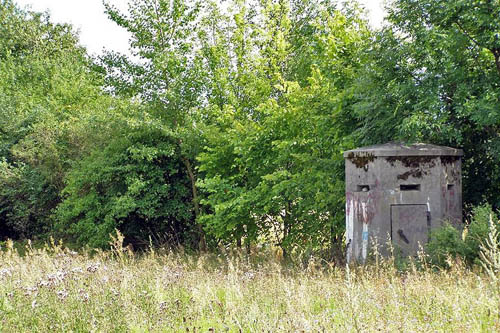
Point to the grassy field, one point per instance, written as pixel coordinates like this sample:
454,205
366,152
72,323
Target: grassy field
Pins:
54,289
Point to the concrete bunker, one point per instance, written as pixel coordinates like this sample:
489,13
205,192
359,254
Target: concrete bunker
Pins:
400,192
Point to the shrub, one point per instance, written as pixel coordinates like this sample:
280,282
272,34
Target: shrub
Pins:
136,184
26,200
448,241
445,241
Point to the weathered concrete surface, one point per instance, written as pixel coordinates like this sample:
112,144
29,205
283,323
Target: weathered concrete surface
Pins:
399,193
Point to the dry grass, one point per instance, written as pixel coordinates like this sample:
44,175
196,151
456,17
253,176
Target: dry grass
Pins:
55,289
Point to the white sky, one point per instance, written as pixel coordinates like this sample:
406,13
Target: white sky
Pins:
98,32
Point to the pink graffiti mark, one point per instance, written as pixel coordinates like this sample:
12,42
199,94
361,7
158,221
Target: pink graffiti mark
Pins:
451,200
366,206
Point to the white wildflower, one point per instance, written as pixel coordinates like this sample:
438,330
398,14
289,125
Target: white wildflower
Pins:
77,270
5,272
83,295
163,306
62,294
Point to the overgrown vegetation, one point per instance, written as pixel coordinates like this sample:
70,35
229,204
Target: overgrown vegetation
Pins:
55,289
228,126
465,244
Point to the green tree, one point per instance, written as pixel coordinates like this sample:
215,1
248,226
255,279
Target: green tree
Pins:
167,78
273,165
433,77
52,111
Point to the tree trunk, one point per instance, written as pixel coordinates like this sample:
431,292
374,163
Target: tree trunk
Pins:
496,54
202,244
247,244
286,230
333,240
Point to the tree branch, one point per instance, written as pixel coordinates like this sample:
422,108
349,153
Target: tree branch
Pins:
494,51
467,35
202,244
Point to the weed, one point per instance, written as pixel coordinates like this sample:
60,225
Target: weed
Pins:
56,289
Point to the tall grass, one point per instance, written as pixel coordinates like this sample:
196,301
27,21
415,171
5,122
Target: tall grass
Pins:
55,289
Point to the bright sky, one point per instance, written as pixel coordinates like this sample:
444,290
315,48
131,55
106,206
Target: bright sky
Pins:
98,32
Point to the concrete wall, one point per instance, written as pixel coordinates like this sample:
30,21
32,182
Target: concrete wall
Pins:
399,199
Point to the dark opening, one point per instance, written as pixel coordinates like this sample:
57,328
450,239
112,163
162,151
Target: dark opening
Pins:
451,186
410,187
363,188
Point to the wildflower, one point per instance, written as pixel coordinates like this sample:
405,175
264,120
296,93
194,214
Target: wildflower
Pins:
5,272
77,270
92,268
163,306
43,283
52,278
31,291
84,296
34,304
56,278
61,275
62,294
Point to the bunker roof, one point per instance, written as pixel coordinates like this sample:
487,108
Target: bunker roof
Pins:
402,149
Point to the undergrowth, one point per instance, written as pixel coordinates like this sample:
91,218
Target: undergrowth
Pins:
56,289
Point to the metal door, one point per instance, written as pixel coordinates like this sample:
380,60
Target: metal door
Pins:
409,228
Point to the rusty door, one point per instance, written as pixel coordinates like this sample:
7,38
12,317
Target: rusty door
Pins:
409,227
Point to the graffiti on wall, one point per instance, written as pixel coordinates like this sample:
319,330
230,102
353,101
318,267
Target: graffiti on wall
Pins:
362,206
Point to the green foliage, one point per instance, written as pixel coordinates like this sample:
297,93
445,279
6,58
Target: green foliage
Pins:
433,77
52,111
448,241
232,118
168,78
26,199
445,242
273,168
136,184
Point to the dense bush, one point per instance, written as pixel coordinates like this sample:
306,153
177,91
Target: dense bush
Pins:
53,111
26,201
136,184
449,241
